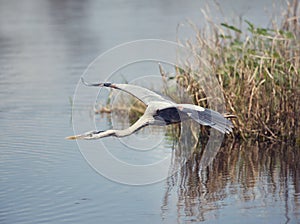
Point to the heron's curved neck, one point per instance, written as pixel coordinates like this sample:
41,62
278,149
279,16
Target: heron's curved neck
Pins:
140,123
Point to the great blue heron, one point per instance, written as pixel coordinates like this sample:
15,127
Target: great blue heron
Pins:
159,111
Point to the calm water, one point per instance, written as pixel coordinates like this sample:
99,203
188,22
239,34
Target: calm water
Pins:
45,47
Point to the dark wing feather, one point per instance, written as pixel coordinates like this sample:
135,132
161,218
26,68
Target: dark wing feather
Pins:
207,117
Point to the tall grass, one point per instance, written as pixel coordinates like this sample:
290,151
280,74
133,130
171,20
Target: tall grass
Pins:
259,73
258,70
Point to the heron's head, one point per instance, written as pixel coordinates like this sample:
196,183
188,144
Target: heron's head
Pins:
85,136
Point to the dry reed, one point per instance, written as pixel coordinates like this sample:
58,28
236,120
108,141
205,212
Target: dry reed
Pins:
259,73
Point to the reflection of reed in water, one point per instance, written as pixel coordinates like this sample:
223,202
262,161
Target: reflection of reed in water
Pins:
260,174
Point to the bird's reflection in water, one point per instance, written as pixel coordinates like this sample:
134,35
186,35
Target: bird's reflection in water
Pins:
259,174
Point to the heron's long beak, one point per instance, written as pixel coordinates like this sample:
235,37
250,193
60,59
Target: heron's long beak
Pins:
85,136
73,137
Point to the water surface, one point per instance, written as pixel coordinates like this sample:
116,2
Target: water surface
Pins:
45,48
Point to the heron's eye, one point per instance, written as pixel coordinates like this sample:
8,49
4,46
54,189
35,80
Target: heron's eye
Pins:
157,111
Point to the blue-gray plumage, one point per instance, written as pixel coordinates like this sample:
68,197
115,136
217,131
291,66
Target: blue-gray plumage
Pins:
159,111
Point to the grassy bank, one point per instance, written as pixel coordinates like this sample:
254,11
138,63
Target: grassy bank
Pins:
259,73
258,70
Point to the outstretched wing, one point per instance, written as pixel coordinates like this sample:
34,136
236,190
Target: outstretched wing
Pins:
206,117
143,94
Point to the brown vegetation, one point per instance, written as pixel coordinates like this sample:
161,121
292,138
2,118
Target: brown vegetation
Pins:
259,73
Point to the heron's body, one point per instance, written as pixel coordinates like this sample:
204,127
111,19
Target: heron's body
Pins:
160,111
